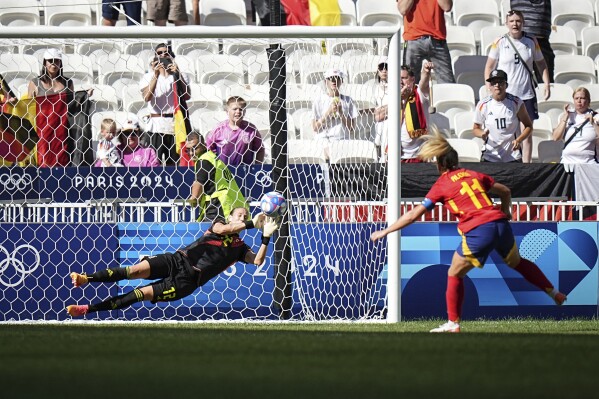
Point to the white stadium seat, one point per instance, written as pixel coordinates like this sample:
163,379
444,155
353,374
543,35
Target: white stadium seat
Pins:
563,41
488,35
441,122
61,13
19,13
460,41
590,42
362,68
204,121
305,151
104,99
560,94
476,14
378,13
204,96
78,68
194,47
313,67
543,127
576,16
352,151
451,98
469,70
356,46
463,123
468,150
19,66
222,13
574,70
132,99
219,67
347,9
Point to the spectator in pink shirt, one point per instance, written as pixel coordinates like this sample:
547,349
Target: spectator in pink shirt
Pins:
236,141
134,154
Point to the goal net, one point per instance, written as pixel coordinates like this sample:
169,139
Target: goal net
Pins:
63,210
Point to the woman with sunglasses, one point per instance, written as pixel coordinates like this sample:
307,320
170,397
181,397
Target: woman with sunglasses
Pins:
134,154
381,100
515,53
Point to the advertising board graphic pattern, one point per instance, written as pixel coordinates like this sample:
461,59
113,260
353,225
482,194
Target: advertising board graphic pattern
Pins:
330,281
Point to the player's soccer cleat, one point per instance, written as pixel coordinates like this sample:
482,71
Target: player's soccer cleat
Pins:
77,310
449,327
560,298
78,279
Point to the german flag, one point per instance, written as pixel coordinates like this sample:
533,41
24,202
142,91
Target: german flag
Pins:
312,12
19,136
182,123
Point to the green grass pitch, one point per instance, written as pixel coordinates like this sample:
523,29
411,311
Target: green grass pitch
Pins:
489,359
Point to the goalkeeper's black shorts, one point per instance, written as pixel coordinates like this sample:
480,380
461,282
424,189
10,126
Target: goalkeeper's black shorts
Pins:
178,280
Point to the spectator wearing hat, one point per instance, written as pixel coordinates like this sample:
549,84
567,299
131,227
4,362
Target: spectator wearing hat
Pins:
51,89
159,89
333,114
133,153
381,99
235,140
415,99
425,36
111,10
497,121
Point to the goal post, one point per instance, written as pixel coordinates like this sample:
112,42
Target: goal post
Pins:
322,265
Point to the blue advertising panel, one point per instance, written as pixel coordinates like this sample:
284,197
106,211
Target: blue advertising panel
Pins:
35,262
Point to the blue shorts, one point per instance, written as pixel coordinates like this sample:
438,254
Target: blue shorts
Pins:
532,108
478,243
132,9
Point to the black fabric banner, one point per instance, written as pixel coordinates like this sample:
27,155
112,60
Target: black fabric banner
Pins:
368,182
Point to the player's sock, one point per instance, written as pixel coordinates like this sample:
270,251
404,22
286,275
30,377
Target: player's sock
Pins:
454,297
110,275
534,275
118,302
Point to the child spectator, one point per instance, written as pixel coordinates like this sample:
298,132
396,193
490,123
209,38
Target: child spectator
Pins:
107,153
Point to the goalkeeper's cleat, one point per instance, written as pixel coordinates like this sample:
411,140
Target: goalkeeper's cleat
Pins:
449,327
77,310
560,298
78,279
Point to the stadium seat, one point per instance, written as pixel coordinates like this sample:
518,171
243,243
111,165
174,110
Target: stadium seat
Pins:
596,7
120,71
237,47
257,67
577,17
362,94
104,99
301,98
59,13
194,47
488,35
305,151
563,41
220,67
205,121
460,41
594,92
302,119
132,99
483,92
378,13
560,94
550,151
313,67
362,68
442,122
352,151
135,47
356,46
504,7
21,67
590,42
204,96
260,118
222,13
542,127
468,150
574,70
451,98
78,68
476,14
347,9
469,70
463,124
20,13
256,96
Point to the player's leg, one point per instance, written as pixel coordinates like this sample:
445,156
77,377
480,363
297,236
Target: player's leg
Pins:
507,248
140,270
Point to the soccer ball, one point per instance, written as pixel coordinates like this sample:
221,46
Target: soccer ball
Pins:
273,204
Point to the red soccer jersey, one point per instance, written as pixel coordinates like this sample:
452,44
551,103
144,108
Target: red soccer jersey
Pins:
464,193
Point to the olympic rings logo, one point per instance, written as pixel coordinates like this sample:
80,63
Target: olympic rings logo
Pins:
12,181
15,259
263,179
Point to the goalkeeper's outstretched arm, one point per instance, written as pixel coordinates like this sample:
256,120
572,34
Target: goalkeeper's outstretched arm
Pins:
270,226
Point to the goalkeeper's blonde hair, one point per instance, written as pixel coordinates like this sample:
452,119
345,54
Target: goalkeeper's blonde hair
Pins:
437,147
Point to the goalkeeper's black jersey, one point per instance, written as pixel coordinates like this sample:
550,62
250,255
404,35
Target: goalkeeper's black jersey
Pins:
212,253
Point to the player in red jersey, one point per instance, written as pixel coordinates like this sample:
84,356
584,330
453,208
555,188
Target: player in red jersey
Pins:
484,227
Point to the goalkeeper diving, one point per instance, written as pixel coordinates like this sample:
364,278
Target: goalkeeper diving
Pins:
179,274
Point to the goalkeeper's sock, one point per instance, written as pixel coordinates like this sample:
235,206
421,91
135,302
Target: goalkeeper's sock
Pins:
534,275
109,275
454,296
118,302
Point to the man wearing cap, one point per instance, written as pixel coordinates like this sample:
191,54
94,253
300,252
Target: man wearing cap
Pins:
333,114
497,121
134,154
159,87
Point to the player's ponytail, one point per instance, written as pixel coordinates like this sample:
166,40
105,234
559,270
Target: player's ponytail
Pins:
436,147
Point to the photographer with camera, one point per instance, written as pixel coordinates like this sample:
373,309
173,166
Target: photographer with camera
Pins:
159,87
